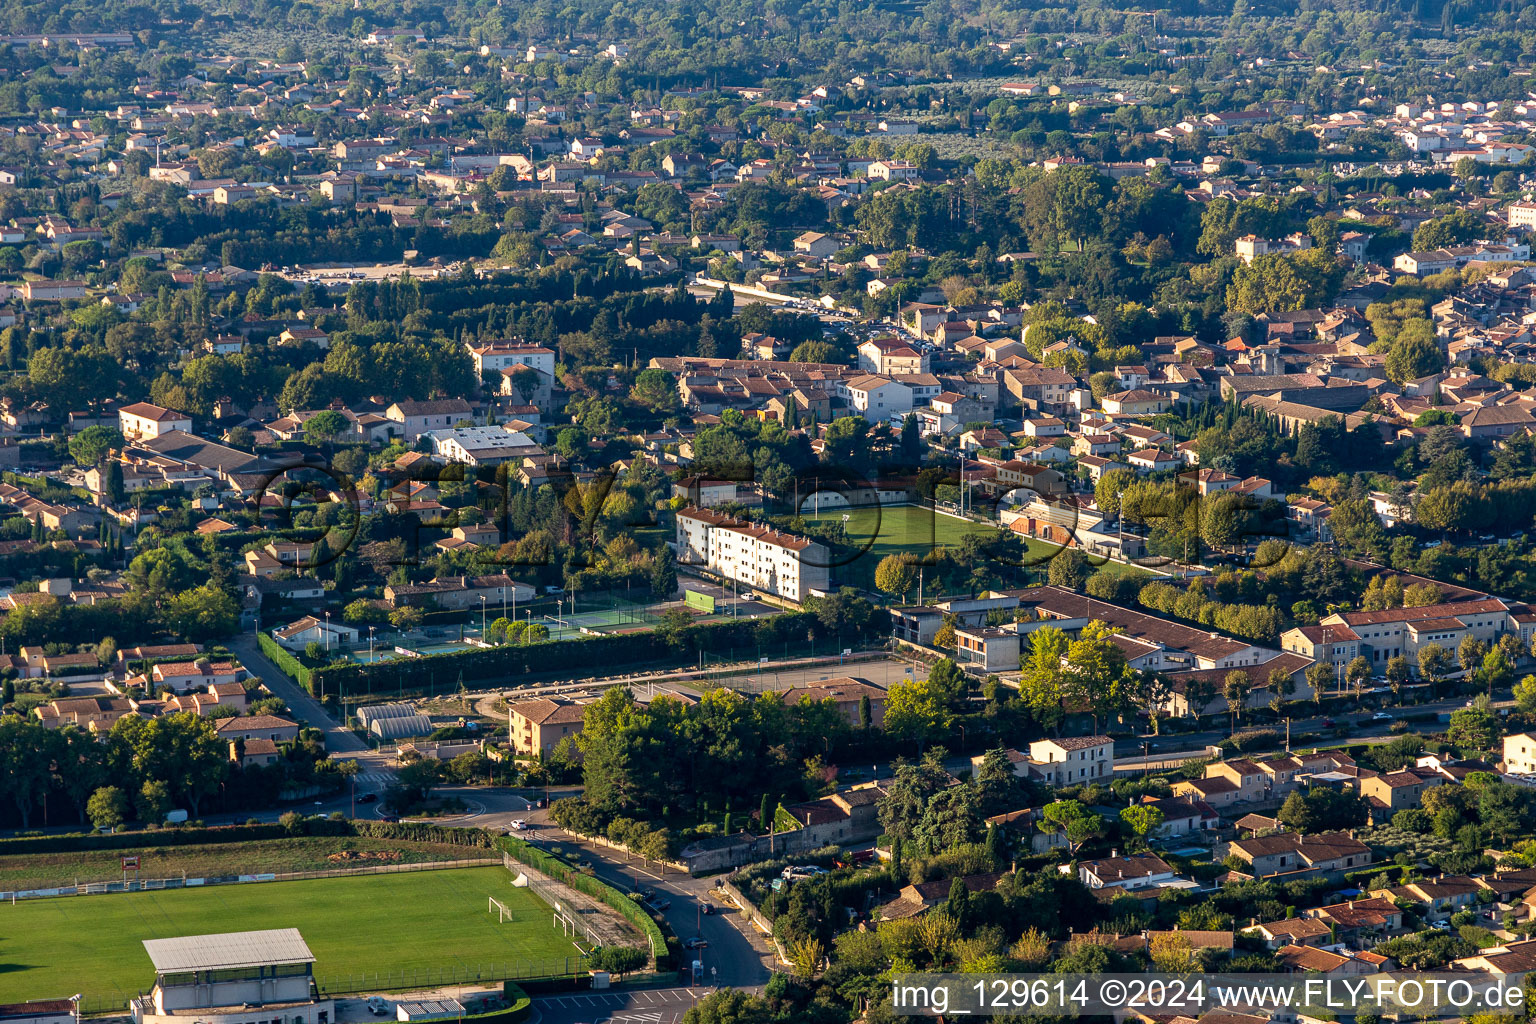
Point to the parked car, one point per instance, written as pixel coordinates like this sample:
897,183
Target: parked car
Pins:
1381,716
696,943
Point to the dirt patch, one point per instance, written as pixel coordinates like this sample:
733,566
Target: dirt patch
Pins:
364,857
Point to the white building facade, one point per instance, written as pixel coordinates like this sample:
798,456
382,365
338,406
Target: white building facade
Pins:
777,563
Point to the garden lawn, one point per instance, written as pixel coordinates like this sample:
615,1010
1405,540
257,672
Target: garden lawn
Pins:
52,948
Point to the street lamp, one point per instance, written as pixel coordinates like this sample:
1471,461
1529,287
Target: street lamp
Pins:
482,618
370,643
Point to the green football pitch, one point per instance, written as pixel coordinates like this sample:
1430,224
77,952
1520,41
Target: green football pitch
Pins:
905,529
399,926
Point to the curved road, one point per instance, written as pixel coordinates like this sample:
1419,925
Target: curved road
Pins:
736,957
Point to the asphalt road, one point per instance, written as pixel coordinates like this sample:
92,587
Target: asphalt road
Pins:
730,960
338,740
1362,726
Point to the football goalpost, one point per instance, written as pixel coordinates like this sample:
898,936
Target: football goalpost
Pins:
500,909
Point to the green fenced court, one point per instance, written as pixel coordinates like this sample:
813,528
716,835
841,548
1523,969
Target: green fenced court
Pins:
903,529
387,931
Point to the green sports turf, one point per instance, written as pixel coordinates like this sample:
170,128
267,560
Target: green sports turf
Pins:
897,529
53,948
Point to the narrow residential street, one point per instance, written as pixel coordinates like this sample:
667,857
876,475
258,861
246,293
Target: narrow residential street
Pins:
338,739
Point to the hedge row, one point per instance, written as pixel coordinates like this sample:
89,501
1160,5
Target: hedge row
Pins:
285,661
561,871
518,1009
567,656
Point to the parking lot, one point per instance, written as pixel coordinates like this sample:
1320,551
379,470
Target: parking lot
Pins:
640,1006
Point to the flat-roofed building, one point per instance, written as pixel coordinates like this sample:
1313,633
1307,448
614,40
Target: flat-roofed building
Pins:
219,979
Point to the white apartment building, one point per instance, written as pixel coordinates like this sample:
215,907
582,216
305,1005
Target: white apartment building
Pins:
1402,631
504,356
1522,215
877,398
777,563
1062,762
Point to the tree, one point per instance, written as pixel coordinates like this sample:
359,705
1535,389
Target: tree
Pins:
1171,952
406,618
664,574
1072,820
1069,568
205,613
1358,672
1321,678
731,1006
186,753
1434,662
108,807
1469,653
1525,694
1473,728
1285,282
1415,353
1198,695
1042,679
655,390
1496,670
70,379
913,786
1235,689
915,711
1097,674
1142,819
153,802
325,426
1356,529
997,847
112,487
89,446
896,574
618,960
1322,810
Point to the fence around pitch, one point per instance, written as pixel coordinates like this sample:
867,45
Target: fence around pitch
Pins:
415,979
156,884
